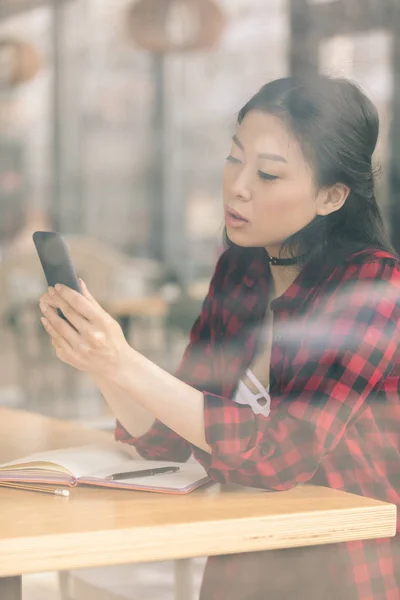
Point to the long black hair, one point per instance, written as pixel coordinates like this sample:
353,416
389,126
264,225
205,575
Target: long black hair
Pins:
337,127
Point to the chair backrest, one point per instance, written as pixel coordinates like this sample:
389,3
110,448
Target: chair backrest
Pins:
21,281
107,272
100,266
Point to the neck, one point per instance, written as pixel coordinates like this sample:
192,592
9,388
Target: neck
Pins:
282,275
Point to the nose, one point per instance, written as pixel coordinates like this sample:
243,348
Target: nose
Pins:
241,186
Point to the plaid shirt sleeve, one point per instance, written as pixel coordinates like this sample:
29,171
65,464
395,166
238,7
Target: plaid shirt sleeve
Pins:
340,366
195,369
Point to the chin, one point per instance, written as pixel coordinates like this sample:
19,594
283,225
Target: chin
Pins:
240,238
237,239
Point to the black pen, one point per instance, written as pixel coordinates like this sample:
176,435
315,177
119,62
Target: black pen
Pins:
142,473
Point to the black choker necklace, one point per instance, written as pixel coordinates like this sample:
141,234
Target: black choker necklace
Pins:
283,262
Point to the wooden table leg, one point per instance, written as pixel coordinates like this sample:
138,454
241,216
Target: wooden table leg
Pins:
183,579
125,324
11,588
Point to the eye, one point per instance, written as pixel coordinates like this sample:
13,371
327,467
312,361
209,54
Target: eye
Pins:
234,161
267,176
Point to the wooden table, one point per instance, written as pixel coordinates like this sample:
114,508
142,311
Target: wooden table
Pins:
127,310
40,532
148,306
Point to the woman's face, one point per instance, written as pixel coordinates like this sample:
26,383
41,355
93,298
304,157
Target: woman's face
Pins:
268,182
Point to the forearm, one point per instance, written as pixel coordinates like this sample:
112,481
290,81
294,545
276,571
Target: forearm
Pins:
176,404
132,416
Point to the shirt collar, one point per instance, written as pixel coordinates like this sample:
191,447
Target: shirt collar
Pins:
294,297
300,291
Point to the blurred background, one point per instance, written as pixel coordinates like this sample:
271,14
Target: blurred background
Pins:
115,119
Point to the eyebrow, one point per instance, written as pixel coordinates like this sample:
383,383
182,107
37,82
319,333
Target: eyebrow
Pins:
267,155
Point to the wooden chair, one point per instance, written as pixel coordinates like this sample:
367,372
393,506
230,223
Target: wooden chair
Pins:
172,580
21,284
104,269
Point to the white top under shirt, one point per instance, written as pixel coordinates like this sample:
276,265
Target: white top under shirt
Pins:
245,396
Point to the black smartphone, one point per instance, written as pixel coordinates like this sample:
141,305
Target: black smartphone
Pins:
56,260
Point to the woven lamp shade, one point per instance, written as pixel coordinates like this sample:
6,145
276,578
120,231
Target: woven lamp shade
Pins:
19,62
162,26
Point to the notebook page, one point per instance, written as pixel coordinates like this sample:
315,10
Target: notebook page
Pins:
188,474
36,476
77,461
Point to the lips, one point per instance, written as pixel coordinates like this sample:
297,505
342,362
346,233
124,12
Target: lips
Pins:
234,213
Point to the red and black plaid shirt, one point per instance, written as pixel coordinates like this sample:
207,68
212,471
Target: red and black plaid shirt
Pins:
334,420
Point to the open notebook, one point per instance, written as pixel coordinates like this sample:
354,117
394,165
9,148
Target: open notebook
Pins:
90,465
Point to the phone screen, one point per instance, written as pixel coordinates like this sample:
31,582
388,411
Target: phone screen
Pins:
55,259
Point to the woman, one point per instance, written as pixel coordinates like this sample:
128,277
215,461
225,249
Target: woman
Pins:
292,371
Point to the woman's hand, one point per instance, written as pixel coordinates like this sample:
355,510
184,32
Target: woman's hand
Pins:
95,342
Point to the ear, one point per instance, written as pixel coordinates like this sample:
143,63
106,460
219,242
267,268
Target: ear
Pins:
332,199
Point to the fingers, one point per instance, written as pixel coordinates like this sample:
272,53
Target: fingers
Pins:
48,298
81,304
88,324
61,332
58,341
76,304
62,348
53,300
86,292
